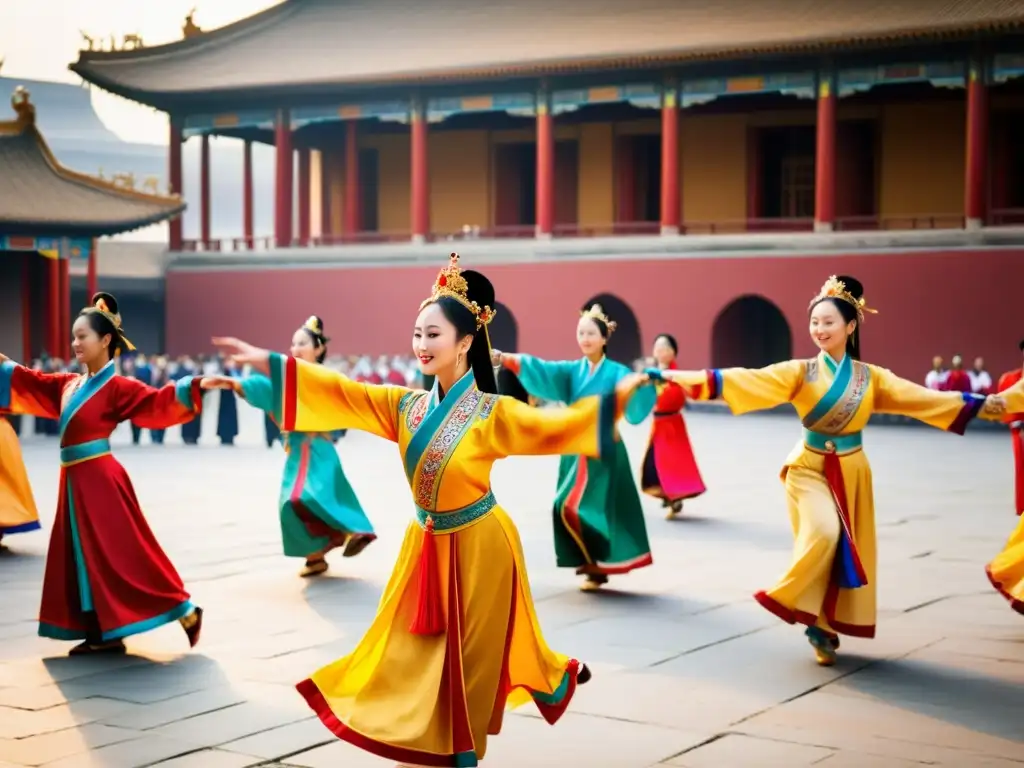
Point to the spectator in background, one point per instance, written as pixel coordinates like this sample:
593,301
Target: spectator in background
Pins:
981,382
936,377
958,379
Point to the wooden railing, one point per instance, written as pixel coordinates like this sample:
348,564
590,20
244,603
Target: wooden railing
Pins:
998,218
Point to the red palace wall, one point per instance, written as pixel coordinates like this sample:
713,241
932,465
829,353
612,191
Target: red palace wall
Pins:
948,302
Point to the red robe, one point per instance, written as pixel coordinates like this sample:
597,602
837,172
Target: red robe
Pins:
1016,422
670,469
958,381
106,576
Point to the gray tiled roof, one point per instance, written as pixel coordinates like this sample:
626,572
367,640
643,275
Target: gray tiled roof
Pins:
37,193
308,42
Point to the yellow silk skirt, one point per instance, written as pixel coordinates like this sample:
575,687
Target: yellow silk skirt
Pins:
433,700
1006,571
807,592
17,506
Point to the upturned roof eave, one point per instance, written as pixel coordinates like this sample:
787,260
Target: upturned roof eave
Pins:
47,228
171,100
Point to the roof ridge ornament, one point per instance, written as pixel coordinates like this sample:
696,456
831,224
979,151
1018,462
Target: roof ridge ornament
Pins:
23,107
190,28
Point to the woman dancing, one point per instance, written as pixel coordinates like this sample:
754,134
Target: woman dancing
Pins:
106,576
599,523
456,638
318,509
1006,571
18,512
670,470
830,585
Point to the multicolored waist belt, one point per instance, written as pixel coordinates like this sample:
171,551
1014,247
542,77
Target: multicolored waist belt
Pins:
458,518
76,454
1017,425
822,443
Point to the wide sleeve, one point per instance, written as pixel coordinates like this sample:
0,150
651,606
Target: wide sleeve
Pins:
585,428
640,403
951,411
257,391
1007,381
29,392
311,398
158,408
747,389
544,379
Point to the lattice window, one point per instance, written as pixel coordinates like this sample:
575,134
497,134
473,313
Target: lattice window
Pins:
797,187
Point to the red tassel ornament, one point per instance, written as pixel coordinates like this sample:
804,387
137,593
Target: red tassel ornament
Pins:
429,619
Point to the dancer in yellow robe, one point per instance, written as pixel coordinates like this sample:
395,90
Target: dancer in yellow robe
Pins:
830,585
456,639
18,512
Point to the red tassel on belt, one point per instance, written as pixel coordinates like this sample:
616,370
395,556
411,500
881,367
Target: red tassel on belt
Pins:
430,618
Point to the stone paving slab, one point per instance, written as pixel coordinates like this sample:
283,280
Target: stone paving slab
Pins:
689,671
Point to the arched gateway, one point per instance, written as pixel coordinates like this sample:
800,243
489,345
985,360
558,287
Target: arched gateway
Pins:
750,332
624,345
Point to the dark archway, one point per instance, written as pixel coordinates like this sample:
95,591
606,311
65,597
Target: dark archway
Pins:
624,345
751,332
504,329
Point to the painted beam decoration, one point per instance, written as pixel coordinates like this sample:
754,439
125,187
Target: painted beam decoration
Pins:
642,95
950,74
518,104
1007,66
800,84
197,125
50,247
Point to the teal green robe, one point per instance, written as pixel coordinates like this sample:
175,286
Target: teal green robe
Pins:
598,518
317,505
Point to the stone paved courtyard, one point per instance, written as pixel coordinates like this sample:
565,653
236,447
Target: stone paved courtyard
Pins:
689,670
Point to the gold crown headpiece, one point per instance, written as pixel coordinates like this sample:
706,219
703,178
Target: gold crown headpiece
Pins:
834,288
450,282
597,313
103,308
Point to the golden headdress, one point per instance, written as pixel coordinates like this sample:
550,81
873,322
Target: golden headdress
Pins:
316,326
451,283
101,306
597,313
834,288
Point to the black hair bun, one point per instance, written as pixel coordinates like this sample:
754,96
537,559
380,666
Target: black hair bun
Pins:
480,288
108,299
853,285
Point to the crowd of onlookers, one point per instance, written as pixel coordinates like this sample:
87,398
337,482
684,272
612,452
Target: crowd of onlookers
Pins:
957,379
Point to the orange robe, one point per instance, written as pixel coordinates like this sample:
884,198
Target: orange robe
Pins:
18,512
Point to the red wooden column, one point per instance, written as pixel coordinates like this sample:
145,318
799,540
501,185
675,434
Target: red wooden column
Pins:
305,209
53,313
27,259
283,189
326,222
545,166
174,180
247,210
353,194
825,154
65,308
670,204
204,192
420,175
975,178
91,279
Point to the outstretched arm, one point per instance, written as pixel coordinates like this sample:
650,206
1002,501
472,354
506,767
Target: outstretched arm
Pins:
545,379
33,393
743,389
587,427
951,411
158,408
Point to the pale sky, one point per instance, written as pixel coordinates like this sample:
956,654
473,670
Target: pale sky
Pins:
39,38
